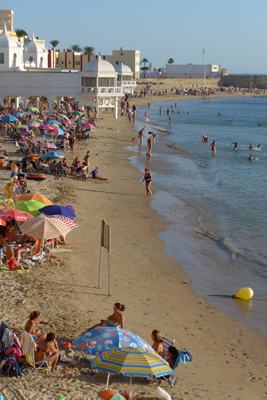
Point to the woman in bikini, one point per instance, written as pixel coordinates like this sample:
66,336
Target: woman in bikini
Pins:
113,320
30,325
46,348
148,179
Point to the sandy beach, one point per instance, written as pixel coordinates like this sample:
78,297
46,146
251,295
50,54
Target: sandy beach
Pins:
229,359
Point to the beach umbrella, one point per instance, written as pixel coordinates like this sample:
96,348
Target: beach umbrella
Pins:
18,114
17,215
47,145
57,210
57,130
110,395
131,362
52,154
88,126
68,122
104,338
67,221
53,122
44,228
9,118
77,113
64,116
19,126
45,127
33,124
71,208
31,109
35,196
30,206
2,222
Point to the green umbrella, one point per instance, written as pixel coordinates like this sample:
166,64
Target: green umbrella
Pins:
31,109
19,126
31,207
77,113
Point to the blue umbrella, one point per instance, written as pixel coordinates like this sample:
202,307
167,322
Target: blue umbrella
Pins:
58,129
18,114
52,154
53,122
105,337
57,210
9,118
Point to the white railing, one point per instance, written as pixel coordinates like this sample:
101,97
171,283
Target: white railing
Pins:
127,83
102,90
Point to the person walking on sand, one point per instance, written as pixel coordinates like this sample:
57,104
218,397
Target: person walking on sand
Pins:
213,147
140,137
149,144
148,179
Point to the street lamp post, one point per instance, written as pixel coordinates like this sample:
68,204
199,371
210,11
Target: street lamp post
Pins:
203,52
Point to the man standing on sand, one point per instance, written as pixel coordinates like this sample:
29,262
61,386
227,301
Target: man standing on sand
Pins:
87,159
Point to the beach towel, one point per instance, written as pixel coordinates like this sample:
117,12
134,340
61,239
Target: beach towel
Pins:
6,269
28,343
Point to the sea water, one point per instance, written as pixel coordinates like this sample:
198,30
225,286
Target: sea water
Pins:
216,204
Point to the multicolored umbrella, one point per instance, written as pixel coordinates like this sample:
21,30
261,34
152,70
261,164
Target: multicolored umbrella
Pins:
33,124
57,210
18,216
35,196
53,122
63,116
30,206
104,338
44,228
9,118
57,130
132,362
67,221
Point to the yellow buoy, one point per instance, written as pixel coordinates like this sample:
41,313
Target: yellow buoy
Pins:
244,293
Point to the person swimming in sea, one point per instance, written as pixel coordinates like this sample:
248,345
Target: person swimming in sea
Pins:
113,320
250,146
250,157
235,143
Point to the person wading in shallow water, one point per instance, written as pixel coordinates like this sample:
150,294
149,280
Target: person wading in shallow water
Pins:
148,179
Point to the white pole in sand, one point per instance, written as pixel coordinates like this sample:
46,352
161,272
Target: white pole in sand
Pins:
100,259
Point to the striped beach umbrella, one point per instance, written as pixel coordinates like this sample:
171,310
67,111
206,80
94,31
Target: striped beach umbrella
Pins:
67,221
44,228
132,362
2,222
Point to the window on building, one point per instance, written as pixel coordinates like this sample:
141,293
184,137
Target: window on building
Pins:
77,62
41,62
88,81
2,58
106,82
117,62
122,54
14,59
126,77
31,59
62,62
69,62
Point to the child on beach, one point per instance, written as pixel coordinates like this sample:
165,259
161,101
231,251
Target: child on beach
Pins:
148,157
11,260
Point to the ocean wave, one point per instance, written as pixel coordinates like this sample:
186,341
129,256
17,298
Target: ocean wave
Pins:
230,248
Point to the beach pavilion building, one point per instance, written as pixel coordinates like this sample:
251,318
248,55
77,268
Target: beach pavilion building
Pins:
96,85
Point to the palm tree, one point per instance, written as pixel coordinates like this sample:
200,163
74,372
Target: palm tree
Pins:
88,50
144,69
144,61
75,48
20,33
170,61
54,43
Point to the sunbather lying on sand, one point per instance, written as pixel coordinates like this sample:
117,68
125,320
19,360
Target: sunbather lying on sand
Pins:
30,325
113,320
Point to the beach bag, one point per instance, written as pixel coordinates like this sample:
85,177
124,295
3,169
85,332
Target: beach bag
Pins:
11,368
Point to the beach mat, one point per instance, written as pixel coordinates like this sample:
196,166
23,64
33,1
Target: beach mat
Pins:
6,269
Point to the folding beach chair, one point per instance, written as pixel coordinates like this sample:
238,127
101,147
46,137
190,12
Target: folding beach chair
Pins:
30,356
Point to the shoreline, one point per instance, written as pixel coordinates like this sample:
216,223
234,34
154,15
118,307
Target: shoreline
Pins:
228,358
187,230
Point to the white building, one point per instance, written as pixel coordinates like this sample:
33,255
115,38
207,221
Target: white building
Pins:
96,85
125,78
35,55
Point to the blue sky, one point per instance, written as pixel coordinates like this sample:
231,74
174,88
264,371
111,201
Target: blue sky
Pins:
232,31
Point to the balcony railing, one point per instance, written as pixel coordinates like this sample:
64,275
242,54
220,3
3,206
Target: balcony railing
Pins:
102,90
127,83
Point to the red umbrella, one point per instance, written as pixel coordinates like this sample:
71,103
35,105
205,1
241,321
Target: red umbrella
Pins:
2,222
19,216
